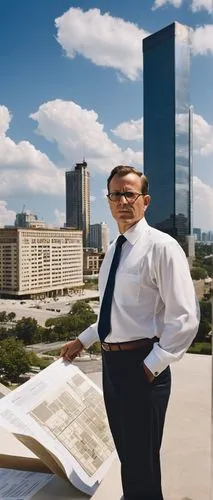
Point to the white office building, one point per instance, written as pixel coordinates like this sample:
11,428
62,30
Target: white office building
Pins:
36,262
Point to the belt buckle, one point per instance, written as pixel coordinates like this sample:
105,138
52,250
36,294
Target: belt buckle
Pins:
106,346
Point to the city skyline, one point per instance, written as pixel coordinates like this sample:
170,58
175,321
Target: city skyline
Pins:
72,90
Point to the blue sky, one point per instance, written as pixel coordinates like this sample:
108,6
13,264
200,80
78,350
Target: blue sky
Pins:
71,86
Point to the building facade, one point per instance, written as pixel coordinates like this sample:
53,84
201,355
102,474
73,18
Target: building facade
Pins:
99,236
197,233
78,200
167,130
27,220
92,262
39,262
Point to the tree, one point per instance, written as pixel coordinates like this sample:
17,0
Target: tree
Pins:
95,348
206,310
198,273
13,359
203,330
49,335
80,306
26,329
84,313
3,317
11,316
3,333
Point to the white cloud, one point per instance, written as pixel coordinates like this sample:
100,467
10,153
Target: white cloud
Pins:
92,199
195,5
202,4
23,167
203,204
203,136
5,119
105,40
129,131
161,3
7,217
59,218
202,40
202,133
77,133
112,42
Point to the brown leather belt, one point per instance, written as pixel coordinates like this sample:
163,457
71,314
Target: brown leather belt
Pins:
128,346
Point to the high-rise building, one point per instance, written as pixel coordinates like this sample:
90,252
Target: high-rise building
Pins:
78,200
167,130
35,262
99,236
197,233
27,220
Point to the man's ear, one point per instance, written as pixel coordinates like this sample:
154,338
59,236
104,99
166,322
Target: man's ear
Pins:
147,199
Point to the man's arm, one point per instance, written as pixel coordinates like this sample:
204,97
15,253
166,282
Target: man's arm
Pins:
181,317
72,348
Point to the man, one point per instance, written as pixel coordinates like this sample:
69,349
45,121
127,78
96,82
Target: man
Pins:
147,322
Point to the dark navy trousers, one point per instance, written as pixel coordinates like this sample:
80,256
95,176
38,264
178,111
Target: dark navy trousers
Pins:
136,412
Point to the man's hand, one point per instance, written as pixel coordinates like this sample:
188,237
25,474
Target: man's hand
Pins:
149,374
70,350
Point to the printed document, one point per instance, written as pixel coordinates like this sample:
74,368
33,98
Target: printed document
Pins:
21,485
60,415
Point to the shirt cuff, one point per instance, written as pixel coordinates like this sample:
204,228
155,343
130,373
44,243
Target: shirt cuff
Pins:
158,359
89,336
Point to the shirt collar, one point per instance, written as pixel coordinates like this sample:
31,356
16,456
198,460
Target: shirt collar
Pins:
135,232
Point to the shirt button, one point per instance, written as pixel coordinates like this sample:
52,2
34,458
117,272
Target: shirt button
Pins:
156,374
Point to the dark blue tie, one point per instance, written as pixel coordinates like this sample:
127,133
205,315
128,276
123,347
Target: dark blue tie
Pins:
104,324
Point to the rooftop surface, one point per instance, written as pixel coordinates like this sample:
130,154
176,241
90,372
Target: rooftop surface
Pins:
186,449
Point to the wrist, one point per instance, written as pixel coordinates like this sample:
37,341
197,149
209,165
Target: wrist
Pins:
148,373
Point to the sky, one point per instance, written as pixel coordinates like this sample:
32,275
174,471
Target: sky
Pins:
71,87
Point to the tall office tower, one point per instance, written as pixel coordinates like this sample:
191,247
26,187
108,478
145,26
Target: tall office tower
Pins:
99,236
78,200
168,131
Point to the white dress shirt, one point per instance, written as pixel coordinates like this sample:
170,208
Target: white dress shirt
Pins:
153,296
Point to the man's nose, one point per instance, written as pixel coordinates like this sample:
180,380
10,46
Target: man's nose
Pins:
123,200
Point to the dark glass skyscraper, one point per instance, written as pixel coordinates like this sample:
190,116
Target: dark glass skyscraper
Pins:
78,200
167,142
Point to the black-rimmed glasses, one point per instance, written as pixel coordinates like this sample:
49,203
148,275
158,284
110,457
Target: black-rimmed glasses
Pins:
130,196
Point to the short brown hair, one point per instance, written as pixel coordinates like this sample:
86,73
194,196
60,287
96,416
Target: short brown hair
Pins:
122,170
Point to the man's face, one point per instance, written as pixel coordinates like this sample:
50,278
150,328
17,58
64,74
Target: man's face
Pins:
125,212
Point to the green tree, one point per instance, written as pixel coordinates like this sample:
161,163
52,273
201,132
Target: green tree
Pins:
13,359
11,316
49,335
198,273
3,333
203,331
206,310
3,317
95,348
26,329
